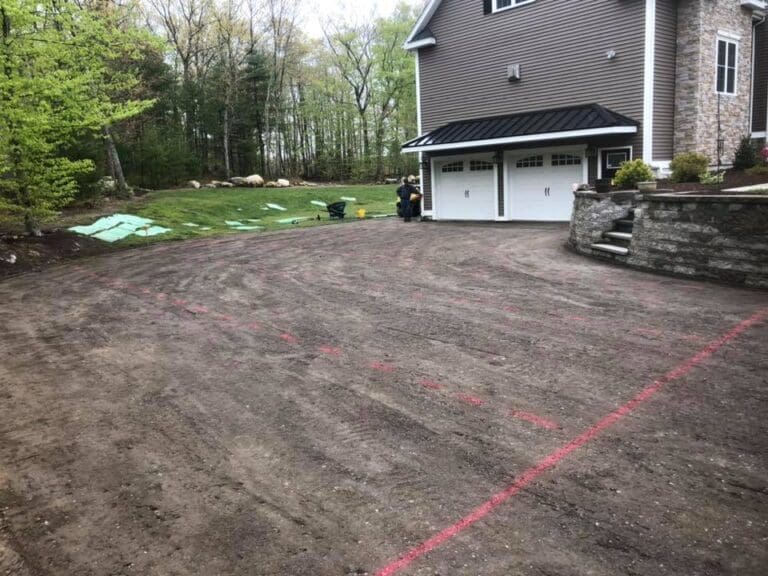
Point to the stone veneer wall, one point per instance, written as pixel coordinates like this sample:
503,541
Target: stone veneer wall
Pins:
696,98
715,237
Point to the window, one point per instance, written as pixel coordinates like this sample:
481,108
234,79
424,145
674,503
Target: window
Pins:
479,165
726,66
531,162
566,160
505,4
614,160
453,167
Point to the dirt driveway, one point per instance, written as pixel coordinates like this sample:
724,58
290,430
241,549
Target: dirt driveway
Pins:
380,398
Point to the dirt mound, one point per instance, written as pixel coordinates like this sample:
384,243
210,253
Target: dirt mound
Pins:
19,253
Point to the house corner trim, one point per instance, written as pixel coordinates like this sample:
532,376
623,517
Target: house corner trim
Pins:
649,79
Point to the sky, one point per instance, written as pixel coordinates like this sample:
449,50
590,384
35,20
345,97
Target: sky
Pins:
351,10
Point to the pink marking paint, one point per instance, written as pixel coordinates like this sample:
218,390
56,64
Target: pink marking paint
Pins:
557,456
512,309
469,399
430,384
179,302
381,367
255,326
146,291
534,419
224,318
160,296
331,351
289,338
575,318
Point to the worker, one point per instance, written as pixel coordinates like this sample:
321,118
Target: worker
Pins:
404,193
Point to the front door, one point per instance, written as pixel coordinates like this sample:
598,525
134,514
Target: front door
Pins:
611,160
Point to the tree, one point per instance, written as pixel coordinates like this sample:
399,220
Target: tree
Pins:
57,85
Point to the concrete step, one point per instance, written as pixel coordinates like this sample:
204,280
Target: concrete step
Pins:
625,226
610,249
625,236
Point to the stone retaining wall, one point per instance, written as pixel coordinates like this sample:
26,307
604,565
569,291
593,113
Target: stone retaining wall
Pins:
717,237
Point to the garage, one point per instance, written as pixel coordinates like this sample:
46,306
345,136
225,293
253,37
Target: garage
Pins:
519,166
466,186
540,182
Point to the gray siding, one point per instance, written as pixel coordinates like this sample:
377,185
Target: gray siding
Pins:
561,46
664,81
760,94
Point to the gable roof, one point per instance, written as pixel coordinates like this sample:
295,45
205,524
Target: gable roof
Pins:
417,38
554,124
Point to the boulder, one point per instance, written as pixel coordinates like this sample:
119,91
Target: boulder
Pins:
283,183
216,183
271,184
238,181
309,184
210,186
226,185
106,186
194,184
255,181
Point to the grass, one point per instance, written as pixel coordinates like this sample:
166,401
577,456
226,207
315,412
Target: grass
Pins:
212,208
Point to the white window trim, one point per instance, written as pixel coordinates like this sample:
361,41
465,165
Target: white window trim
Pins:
600,156
649,79
727,40
495,6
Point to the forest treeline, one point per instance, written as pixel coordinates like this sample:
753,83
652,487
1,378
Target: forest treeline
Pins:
157,92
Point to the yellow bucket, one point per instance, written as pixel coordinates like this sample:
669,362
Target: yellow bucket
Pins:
361,213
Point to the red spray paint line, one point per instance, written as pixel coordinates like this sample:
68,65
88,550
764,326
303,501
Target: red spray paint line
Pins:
381,367
432,385
555,457
473,400
291,339
534,419
197,309
331,351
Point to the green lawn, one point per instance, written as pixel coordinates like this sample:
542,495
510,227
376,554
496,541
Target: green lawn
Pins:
212,208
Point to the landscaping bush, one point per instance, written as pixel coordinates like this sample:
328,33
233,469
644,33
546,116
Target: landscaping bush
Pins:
760,170
746,155
631,173
687,167
712,178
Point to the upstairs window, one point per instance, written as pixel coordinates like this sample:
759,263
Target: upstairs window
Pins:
506,4
727,51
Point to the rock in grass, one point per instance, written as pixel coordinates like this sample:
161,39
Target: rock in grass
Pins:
255,181
283,183
194,184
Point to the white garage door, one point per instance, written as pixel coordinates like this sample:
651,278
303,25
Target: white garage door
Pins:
465,189
541,184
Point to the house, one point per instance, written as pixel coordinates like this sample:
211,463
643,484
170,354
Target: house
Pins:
518,100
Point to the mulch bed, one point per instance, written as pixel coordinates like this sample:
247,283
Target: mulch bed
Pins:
731,180
20,253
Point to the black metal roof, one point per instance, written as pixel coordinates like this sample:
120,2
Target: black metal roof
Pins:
574,118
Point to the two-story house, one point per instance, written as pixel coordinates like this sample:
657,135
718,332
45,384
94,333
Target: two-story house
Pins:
520,99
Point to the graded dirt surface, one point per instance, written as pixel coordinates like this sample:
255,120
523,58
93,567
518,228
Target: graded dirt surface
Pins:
324,401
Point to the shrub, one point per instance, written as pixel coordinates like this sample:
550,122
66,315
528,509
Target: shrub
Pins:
712,178
631,173
746,154
761,170
687,167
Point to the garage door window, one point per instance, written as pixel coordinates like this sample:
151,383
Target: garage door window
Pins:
566,160
531,162
480,166
453,167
